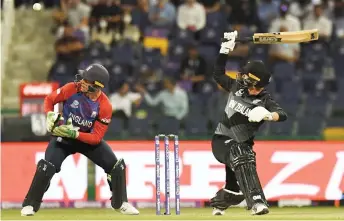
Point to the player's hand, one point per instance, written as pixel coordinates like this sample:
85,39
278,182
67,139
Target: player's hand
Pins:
67,130
258,114
52,120
229,43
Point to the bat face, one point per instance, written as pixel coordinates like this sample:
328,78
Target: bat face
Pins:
286,37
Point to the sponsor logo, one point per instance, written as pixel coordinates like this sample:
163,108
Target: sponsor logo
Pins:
37,89
105,120
285,168
256,101
268,39
75,104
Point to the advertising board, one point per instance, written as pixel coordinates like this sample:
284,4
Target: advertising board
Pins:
288,170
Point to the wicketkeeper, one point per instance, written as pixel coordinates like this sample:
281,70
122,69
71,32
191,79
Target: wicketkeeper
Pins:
86,115
249,106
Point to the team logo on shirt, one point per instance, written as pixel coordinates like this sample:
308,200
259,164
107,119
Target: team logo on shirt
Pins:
75,104
94,114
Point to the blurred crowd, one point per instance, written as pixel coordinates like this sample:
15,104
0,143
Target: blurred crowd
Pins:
161,52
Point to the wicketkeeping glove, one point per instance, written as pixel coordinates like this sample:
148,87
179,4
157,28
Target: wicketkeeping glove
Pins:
229,44
67,130
258,114
52,120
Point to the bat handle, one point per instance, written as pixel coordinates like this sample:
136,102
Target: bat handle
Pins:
240,40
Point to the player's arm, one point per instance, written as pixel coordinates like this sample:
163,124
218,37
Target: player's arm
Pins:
271,112
277,113
219,71
100,126
60,95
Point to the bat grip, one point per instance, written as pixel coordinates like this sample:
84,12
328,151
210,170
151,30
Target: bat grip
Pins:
240,40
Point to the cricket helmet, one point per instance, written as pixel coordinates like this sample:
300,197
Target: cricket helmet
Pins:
96,74
254,73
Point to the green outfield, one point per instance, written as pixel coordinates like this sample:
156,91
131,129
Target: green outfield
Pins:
310,213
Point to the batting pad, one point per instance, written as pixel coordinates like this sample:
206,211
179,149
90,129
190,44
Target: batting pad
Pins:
118,184
45,171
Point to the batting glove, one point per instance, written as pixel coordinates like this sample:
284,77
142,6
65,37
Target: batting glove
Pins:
52,119
258,114
68,130
229,43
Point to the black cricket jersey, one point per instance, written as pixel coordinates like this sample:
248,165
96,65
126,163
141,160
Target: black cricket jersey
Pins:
234,122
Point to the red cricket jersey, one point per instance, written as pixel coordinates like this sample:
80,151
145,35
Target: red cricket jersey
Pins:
92,117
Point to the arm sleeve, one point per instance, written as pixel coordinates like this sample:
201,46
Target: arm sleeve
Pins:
153,101
184,106
171,14
58,96
202,18
134,96
273,106
100,126
180,18
220,73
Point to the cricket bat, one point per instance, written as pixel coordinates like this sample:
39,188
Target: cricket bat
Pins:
281,37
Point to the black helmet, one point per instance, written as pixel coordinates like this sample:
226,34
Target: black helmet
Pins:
256,74
95,74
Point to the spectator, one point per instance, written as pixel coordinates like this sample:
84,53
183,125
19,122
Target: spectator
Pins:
243,12
150,79
328,6
77,15
285,21
191,15
301,8
267,11
211,5
193,69
92,2
338,14
163,13
284,52
122,102
108,12
141,15
174,100
317,20
68,47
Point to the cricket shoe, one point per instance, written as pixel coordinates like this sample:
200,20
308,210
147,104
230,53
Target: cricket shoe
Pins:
128,209
27,211
218,212
259,209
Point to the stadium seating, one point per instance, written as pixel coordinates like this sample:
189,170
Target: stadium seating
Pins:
310,99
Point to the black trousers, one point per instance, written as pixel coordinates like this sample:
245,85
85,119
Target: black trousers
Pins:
60,148
221,153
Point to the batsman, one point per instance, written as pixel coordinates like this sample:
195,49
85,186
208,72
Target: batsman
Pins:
249,105
85,117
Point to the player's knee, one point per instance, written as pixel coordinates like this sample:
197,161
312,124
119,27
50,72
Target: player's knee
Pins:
115,167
